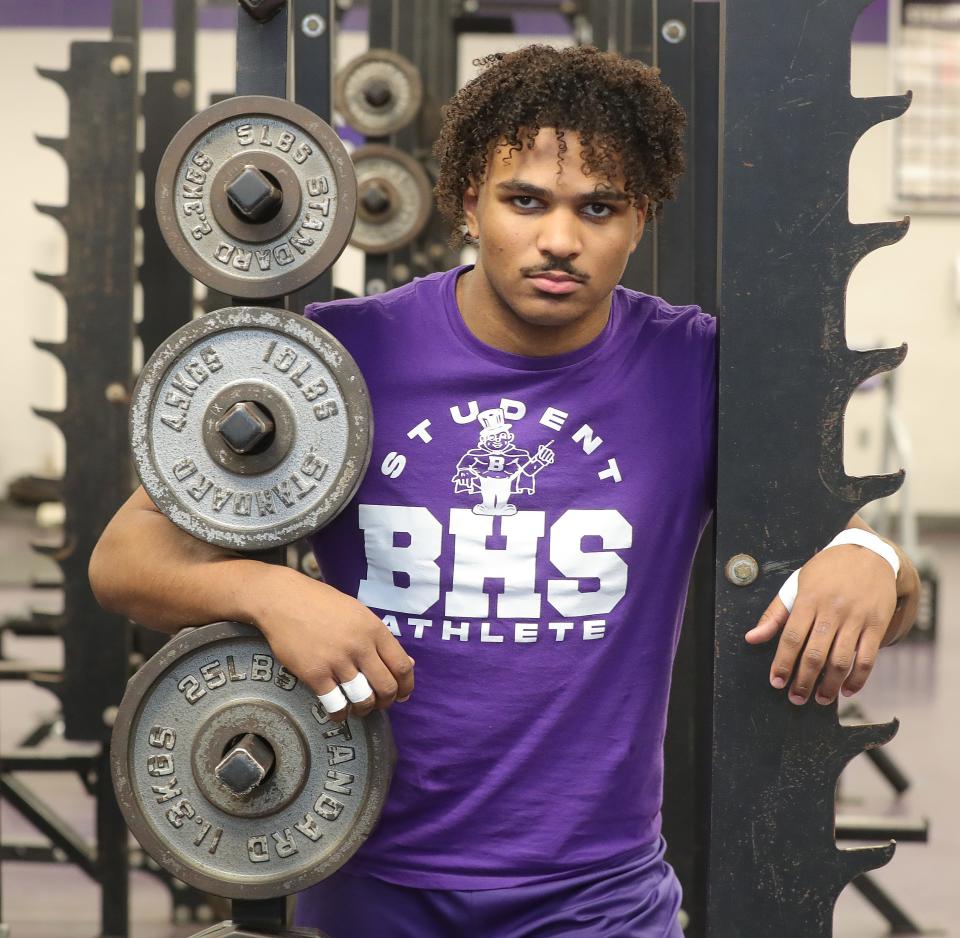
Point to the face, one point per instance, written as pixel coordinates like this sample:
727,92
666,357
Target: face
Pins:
497,441
552,243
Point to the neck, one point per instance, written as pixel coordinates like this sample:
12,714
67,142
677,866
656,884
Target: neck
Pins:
494,323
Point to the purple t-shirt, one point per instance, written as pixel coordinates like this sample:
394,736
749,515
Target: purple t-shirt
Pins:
526,529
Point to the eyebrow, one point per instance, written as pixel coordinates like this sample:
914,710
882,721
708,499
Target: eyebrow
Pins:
528,188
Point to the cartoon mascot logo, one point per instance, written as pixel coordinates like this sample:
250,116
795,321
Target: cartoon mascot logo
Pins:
497,469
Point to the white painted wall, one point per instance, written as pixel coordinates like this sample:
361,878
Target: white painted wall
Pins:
903,293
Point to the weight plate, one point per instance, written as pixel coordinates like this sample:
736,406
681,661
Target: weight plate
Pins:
308,187
394,199
319,801
378,92
267,368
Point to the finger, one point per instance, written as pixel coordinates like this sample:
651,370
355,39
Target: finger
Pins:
331,698
842,656
357,688
813,658
792,640
384,684
867,649
769,624
398,663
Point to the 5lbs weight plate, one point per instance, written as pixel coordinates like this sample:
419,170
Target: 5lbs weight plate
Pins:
256,196
214,706
251,427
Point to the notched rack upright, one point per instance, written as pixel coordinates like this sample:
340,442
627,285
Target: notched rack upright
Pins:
100,152
788,127
99,220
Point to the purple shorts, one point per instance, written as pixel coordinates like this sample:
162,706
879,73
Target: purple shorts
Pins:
637,897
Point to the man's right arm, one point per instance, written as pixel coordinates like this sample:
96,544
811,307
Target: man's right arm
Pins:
148,569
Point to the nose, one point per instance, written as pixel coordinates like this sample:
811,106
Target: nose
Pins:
559,234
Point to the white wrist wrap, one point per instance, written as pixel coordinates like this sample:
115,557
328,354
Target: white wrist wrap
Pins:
788,592
872,542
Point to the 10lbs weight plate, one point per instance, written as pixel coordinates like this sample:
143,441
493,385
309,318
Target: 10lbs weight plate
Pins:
378,92
206,707
251,427
256,196
393,202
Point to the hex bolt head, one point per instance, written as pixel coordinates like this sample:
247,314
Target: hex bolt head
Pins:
741,570
116,393
375,200
245,427
313,25
246,765
377,93
674,31
121,65
253,196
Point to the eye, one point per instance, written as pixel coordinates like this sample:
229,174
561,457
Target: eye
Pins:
525,201
598,210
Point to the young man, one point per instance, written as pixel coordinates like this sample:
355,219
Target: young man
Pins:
541,474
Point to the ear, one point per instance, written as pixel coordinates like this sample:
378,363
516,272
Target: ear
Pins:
641,208
471,197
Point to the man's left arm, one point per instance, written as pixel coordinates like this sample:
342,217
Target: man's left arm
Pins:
848,605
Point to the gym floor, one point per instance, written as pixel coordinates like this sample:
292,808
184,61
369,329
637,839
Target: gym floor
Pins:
913,681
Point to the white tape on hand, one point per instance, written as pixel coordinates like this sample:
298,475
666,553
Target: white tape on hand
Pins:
332,700
357,689
872,542
788,592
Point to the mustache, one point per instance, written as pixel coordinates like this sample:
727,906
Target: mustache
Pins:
555,265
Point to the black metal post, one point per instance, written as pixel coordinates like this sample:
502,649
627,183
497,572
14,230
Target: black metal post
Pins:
704,172
313,26
262,54
686,795
627,27
380,32
788,125
675,39
168,103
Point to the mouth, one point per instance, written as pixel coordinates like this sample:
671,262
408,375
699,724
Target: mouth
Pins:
555,283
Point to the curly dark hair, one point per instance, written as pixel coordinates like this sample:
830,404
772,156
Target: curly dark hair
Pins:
627,120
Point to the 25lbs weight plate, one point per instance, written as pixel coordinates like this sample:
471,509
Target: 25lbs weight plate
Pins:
251,427
378,92
212,712
394,200
256,196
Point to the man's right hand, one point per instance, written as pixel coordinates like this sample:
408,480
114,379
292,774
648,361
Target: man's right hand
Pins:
151,571
325,638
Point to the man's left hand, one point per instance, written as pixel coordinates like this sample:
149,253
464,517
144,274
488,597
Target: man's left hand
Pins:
847,606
